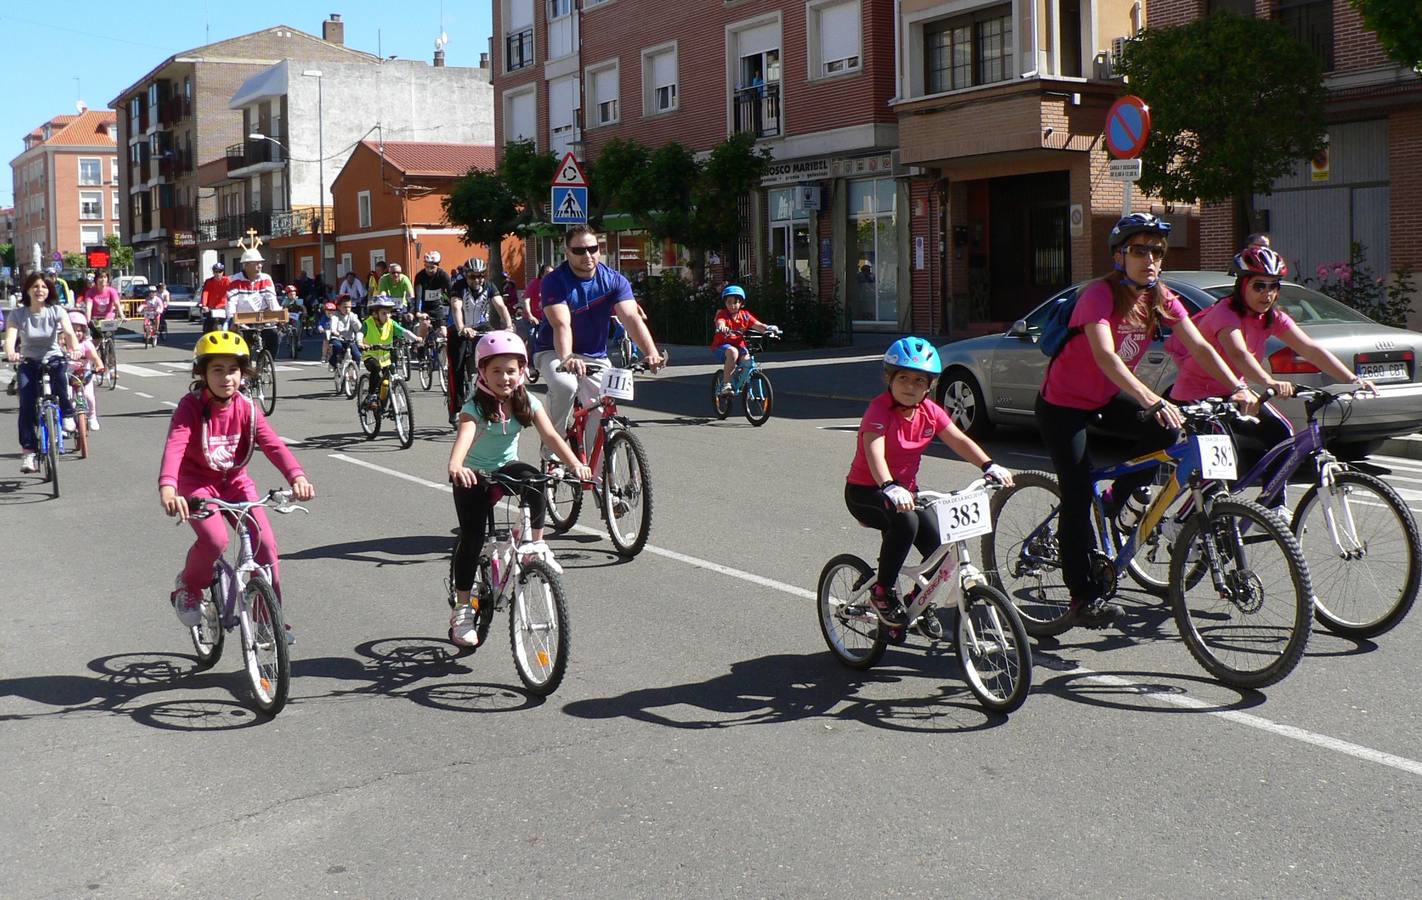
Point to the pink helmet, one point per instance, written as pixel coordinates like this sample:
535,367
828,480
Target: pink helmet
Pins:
499,343
78,318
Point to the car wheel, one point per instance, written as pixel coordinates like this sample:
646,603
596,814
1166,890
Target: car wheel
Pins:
959,394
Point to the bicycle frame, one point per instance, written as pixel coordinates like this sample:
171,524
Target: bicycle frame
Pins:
234,578
934,572
47,400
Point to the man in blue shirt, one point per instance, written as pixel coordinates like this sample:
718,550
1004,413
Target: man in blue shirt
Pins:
579,299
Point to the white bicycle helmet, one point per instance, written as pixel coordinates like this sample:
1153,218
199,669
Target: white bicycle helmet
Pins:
476,266
432,257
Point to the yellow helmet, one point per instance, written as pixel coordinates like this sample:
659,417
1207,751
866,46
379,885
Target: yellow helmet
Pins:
221,342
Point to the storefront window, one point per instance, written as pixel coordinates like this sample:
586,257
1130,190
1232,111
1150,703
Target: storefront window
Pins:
873,229
789,237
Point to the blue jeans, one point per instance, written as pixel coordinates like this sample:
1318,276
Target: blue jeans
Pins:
29,379
339,344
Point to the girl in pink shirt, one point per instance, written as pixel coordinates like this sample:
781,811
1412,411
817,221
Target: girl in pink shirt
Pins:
1092,381
213,433
82,357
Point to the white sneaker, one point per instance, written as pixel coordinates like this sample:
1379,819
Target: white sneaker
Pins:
70,426
28,464
543,553
726,389
93,424
188,606
463,625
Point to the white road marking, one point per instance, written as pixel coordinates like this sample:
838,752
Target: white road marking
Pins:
170,403
1313,738
176,365
287,440
121,387
140,371
143,395
284,369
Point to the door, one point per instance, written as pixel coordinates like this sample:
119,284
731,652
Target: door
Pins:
790,251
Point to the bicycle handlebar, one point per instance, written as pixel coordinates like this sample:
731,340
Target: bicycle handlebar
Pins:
928,498
279,500
1208,408
641,365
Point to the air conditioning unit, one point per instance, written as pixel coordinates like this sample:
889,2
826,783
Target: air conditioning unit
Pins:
1101,68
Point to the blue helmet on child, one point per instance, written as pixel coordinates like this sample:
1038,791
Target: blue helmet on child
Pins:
733,290
914,354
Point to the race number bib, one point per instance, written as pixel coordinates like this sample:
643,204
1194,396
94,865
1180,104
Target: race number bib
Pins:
963,516
617,384
1217,457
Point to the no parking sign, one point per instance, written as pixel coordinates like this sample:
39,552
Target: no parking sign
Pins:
1127,127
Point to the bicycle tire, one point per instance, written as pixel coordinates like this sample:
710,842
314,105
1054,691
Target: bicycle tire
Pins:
1034,587
840,579
51,448
634,493
565,503
264,648
539,635
402,412
441,371
208,636
350,377
720,402
426,371
404,364
1277,646
81,434
757,398
1345,603
266,382
1149,568
110,364
370,419
988,622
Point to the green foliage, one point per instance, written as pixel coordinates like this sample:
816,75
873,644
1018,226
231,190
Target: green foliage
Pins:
74,260
120,255
1235,103
682,313
678,312
528,176
734,169
7,254
1398,24
614,178
1354,284
483,206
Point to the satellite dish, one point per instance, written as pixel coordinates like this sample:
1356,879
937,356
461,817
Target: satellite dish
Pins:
81,106
441,40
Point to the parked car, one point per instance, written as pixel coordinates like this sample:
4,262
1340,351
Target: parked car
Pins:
183,303
994,379
131,287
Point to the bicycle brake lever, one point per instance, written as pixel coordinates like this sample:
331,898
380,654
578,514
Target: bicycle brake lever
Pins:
289,509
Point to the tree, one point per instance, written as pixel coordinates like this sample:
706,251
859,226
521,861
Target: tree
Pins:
1235,103
74,260
613,176
120,256
7,254
482,204
528,175
1398,25
734,169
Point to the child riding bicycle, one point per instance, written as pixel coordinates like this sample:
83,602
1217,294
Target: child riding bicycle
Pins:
897,428
487,441
83,357
375,340
733,322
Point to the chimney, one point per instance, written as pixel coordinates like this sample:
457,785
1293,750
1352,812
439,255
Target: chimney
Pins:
333,30
483,60
439,59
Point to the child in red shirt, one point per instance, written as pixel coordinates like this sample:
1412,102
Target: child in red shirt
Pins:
733,323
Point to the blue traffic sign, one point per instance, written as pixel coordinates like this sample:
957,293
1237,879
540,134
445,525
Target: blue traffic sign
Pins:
570,205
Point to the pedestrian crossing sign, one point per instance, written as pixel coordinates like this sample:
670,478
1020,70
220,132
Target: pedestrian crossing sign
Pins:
570,205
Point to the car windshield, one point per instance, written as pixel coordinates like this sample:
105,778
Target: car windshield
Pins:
1306,307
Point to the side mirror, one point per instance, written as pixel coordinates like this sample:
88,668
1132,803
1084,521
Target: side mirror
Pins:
1019,329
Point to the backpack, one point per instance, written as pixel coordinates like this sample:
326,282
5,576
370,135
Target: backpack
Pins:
1057,328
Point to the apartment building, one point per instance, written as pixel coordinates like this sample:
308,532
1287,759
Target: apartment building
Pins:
310,118
176,117
67,195
811,80
1370,182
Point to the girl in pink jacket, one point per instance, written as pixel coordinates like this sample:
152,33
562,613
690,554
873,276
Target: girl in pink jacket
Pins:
212,436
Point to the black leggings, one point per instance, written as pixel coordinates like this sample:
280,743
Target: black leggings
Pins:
474,507
902,530
1064,432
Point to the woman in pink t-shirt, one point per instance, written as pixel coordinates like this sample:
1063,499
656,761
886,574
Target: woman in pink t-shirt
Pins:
1092,380
102,300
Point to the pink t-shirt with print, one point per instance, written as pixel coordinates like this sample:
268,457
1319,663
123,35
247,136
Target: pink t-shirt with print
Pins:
905,439
1074,379
1194,383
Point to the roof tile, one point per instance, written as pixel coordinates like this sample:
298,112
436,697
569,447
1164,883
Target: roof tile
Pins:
449,160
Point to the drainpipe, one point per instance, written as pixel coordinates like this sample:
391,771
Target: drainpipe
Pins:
1032,26
899,92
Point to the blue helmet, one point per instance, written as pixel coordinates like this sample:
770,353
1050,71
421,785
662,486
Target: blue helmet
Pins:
1137,223
733,290
914,354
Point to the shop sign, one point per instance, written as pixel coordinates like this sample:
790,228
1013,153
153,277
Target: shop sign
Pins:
797,170
864,165
184,239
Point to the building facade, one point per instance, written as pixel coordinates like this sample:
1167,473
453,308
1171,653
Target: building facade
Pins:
178,116
67,195
311,118
811,80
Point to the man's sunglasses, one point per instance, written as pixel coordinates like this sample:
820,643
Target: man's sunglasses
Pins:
1141,251
585,251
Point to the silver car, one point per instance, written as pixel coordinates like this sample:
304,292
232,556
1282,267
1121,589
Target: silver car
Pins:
994,379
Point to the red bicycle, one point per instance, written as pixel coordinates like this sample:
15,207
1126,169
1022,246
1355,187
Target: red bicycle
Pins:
622,482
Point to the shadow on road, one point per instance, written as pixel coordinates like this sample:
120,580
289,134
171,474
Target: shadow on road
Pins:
388,551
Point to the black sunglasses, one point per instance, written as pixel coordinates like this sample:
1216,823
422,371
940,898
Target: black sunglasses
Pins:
1141,251
585,251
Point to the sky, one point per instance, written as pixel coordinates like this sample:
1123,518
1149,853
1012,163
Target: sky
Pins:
99,48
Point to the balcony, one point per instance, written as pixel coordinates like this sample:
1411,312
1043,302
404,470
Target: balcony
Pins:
246,158
230,228
174,110
174,164
176,218
142,222
292,223
758,110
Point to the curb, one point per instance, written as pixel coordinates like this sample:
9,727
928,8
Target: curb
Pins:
1407,446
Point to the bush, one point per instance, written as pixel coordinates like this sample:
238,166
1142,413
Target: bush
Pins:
1352,283
681,313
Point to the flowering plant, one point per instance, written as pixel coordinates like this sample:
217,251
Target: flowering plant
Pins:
1353,284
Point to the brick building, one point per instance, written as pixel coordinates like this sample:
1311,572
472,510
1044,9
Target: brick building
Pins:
812,80
177,117
67,194
1371,186
389,206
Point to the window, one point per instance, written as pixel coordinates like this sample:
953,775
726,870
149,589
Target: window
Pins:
113,169
518,35
1311,22
562,114
968,50
835,30
376,257
345,265
603,93
363,213
115,195
659,71
561,38
91,235
278,191
91,204
91,170
521,115
757,74
873,220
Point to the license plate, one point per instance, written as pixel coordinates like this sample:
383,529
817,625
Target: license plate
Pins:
963,516
617,384
1217,460
1387,371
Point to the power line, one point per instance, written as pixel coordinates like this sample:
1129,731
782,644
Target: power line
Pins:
93,34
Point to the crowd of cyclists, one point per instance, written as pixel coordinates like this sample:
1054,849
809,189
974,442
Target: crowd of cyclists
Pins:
563,321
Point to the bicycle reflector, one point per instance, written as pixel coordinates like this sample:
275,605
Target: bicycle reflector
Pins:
1285,361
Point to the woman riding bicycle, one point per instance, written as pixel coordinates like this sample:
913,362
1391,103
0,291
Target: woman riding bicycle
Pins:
102,300
1239,327
40,325
1091,380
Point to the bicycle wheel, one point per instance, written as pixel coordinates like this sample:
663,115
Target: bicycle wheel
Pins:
110,364
440,365
207,635
404,364
1364,570
719,401
1021,553
626,492
348,375
565,502
848,623
757,398
538,629
51,448
295,341
403,413
370,419
266,382
264,648
1245,615
1150,566
993,649
426,371
81,433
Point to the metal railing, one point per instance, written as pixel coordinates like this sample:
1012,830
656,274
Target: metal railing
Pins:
286,223
758,109
252,153
230,228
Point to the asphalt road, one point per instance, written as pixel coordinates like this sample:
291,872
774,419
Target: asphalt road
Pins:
704,742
